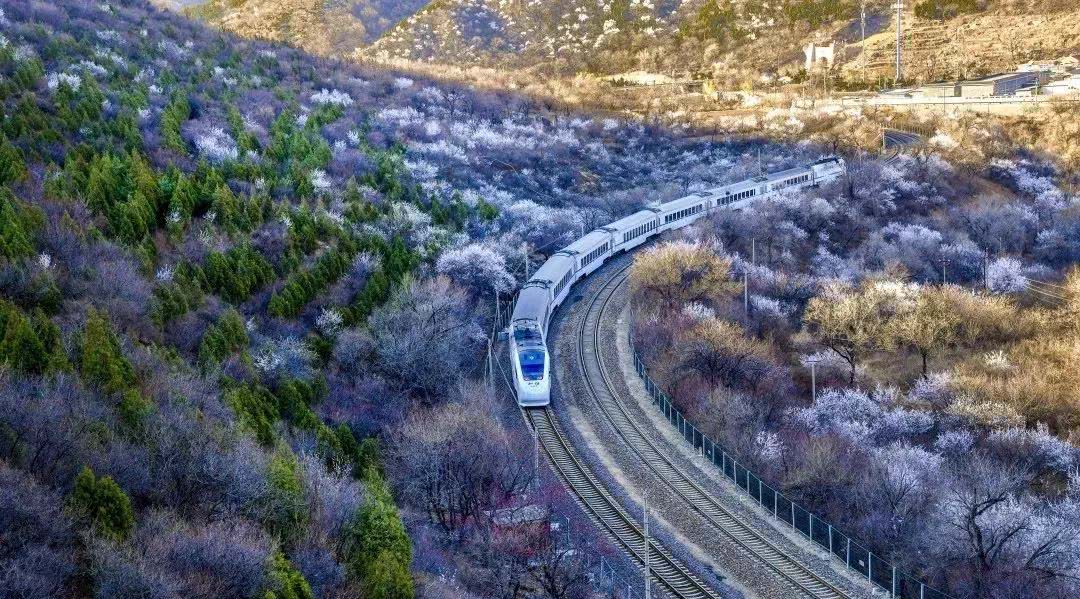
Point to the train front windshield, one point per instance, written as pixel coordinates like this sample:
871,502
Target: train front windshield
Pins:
532,365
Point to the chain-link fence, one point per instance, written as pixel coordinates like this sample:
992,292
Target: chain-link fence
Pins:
844,548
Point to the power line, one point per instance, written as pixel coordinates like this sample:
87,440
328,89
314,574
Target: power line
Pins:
1030,280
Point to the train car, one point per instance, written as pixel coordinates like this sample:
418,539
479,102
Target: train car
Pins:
827,169
556,276
634,230
588,253
528,347
683,211
551,283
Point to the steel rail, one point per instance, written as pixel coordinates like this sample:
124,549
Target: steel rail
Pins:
672,576
684,487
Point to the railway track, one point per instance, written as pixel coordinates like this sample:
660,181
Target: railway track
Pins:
672,576
597,380
897,140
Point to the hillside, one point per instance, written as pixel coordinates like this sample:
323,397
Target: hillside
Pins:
972,44
329,28
233,279
731,42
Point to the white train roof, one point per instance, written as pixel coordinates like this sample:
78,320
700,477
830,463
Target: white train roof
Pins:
634,220
532,304
553,269
587,243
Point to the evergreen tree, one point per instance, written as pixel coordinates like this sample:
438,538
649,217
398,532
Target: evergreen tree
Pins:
20,346
287,514
18,224
227,337
12,163
286,581
102,505
388,578
102,363
377,548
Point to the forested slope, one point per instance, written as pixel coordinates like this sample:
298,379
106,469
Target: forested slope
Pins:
236,280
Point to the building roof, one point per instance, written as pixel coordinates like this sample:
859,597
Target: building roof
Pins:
998,77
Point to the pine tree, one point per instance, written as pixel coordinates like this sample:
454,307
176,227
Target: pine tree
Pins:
18,223
20,346
102,362
286,581
102,505
12,163
388,578
375,538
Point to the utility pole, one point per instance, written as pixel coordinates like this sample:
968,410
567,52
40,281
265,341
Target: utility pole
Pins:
899,29
536,460
525,251
944,261
746,290
862,10
648,565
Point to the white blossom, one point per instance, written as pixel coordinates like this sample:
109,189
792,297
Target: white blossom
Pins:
332,97
698,311
55,80
164,274
216,145
320,180
329,321
477,266
1005,275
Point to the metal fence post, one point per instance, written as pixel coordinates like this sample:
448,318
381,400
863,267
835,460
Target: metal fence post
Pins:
894,581
792,515
869,567
810,535
774,494
849,552
830,538
922,590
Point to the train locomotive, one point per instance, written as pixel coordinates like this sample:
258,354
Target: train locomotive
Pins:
550,284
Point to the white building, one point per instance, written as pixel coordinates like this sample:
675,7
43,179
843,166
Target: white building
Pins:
1069,85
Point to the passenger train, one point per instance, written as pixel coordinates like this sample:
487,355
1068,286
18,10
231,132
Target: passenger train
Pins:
550,284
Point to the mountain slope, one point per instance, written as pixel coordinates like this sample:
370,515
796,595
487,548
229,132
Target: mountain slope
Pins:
327,27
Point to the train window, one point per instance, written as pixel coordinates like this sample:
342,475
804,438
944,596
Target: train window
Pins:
532,365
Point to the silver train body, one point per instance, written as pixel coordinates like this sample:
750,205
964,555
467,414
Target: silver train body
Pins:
550,284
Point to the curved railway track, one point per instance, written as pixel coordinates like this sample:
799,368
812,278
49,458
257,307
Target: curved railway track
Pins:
597,380
672,576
